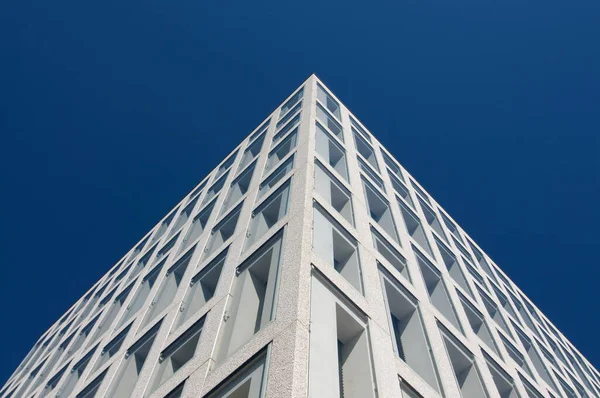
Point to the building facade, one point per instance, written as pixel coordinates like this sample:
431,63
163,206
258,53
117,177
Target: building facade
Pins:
309,263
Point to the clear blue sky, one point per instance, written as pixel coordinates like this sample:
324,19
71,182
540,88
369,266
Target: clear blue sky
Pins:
111,111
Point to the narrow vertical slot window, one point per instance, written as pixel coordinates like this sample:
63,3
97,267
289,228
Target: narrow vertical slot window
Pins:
326,99
333,192
197,227
268,213
253,298
336,247
379,210
331,151
414,228
223,231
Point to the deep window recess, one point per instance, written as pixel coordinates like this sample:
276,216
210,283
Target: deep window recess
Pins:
214,189
534,356
340,359
53,382
291,102
453,267
283,132
164,225
478,324
169,287
483,262
91,389
436,289
406,326
361,130
251,152
516,356
142,262
268,213
388,252
367,170
420,191
333,192
197,227
432,219
569,393
462,249
75,375
111,348
141,295
407,391
164,251
183,216
466,373
177,392
379,210
83,334
253,297
227,163
452,227
365,149
330,123
247,382
327,100
401,190
196,192
289,115
414,228
503,382
336,247
202,287
393,166
112,311
238,188
532,392
275,177
127,376
176,355
223,231
276,155
138,249
493,311
331,151
504,302
262,129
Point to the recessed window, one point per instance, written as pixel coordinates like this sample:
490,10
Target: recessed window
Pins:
262,129
177,392
503,382
129,372
91,389
289,104
465,371
166,249
407,391
223,231
142,294
504,302
111,348
75,375
532,392
251,152
238,188
449,260
493,311
483,262
516,356
360,129
388,252
462,249
164,225
276,155
283,132
83,334
336,247
227,163
379,210
197,227
414,228
138,249
406,326
289,115
169,287
452,227
432,219
327,100
247,382
176,355
401,189
363,147
202,287
420,191
183,217
340,359
331,151
195,194
569,393
214,189
268,213
333,192
436,289
112,311
393,166
276,176
365,168
535,359
52,383
478,324
252,304
330,123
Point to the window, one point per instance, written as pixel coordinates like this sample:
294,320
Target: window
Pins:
276,155
452,227
183,217
142,294
432,219
331,152
176,355
420,191
482,262
340,359
516,356
162,228
91,389
291,102
361,130
393,166
75,375
410,341
275,177
251,152
214,189
112,311
334,127
436,289
363,147
197,227
333,192
478,324
449,260
336,247
202,287
504,383
569,393
279,135
262,129
493,311
248,382
253,297
227,163
504,302
401,189
138,249
268,213
127,376
196,192
169,287
365,168
463,364
326,99
223,231
164,251
52,383
532,392
177,392
289,115
238,188
414,228
379,210
533,355
111,348
388,252
83,334
462,249
407,391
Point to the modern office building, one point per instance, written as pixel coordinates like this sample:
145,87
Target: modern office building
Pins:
309,263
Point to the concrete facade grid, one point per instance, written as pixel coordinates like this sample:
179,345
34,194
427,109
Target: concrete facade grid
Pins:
331,331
